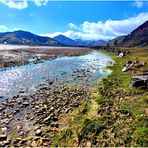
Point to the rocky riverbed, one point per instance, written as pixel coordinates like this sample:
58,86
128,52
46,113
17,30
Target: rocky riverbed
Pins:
31,120
11,56
30,117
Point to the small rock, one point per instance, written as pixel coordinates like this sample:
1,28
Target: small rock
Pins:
34,144
6,142
21,133
3,137
4,129
21,91
23,141
17,140
45,139
47,119
124,69
122,54
145,110
55,125
36,138
36,127
55,118
39,142
140,81
38,132
51,82
25,103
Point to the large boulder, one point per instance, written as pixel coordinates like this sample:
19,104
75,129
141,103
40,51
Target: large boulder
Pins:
140,81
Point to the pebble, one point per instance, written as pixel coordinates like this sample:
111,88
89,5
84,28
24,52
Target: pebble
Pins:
4,129
47,119
3,137
38,132
25,103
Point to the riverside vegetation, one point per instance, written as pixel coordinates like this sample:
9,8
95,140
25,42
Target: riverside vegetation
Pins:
115,115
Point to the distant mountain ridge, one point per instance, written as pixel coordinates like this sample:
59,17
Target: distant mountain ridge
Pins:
115,42
26,38
65,40
90,43
138,37
78,42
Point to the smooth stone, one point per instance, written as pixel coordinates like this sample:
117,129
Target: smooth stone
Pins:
25,103
47,119
38,132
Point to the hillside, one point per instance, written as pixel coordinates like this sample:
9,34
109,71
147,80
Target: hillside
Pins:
27,38
65,40
78,42
115,41
138,37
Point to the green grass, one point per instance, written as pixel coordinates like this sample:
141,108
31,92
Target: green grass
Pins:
113,116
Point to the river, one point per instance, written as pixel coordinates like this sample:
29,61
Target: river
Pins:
79,69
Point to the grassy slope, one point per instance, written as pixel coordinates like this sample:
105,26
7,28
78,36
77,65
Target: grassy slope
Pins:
114,116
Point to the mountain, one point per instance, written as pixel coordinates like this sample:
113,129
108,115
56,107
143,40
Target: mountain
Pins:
65,40
115,41
90,43
138,37
27,38
78,42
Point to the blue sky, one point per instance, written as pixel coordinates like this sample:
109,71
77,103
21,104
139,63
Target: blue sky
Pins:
75,19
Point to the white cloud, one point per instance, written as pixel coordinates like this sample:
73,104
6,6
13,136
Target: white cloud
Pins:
138,3
40,2
3,28
15,4
22,4
37,2
104,30
79,35
15,29
114,27
72,26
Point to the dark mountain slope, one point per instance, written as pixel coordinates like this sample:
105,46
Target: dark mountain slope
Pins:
78,42
65,40
27,38
138,37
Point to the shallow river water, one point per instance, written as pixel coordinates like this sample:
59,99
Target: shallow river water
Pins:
79,69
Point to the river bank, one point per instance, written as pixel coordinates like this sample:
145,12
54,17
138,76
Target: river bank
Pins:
33,119
115,115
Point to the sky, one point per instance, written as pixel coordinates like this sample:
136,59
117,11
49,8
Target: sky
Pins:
87,20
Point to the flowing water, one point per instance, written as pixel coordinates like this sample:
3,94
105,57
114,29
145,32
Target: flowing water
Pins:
80,69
